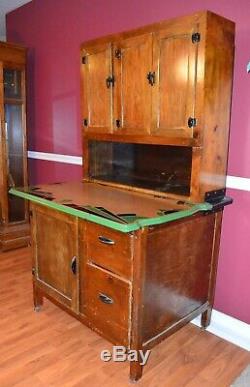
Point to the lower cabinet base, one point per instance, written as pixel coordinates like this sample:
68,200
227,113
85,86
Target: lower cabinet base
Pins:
136,368
133,289
14,236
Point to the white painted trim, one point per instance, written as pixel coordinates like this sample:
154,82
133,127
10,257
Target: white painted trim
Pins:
228,328
237,182
55,157
234,182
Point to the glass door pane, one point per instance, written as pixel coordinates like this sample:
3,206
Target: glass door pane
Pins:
160,168
12,80
13,110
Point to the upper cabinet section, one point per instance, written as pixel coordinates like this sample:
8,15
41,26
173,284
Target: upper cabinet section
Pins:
150,85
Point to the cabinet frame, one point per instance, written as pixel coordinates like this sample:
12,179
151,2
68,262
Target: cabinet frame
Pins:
142,279
209,135
12,233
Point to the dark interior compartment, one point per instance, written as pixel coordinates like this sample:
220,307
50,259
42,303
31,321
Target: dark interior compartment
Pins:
160,168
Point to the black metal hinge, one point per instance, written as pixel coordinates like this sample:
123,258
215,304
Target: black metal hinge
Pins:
196,37
84,60
218,200
215,196
192,122
118,54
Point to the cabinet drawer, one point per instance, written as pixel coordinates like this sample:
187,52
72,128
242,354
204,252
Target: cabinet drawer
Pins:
110,249
106,304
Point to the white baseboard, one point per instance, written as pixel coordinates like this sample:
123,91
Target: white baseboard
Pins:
228,328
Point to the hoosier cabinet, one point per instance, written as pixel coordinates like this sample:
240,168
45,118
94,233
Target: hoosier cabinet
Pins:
132,249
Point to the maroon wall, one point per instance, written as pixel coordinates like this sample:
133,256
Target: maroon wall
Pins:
53,31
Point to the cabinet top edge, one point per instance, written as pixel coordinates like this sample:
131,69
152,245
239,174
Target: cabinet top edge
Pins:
13,46
201,16
85,202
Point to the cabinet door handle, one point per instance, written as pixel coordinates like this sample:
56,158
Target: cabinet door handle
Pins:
105,299
110,81
105,240
151,77
73,265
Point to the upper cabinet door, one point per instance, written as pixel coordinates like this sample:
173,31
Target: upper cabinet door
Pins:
132,91
175,63
97,88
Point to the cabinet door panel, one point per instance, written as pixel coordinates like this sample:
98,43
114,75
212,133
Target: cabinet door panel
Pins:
132,100
55,248
97,97
175,61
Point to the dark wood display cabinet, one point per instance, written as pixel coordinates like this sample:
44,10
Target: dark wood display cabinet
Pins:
14,227
132,250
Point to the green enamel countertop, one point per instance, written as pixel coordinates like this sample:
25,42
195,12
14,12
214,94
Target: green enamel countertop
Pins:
125,210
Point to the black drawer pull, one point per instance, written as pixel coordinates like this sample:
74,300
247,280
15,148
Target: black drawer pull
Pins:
105,299
74,265
105,240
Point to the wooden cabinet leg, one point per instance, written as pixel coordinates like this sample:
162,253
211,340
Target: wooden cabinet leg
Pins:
206,318
135,371
37,299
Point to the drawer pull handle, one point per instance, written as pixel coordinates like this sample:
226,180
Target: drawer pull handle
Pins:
74,265
105,240
105,299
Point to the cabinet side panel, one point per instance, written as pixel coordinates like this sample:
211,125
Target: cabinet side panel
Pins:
177,271
218,90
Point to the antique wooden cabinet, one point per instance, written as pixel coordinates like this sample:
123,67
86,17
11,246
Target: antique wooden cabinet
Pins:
132,250
167,84
14,230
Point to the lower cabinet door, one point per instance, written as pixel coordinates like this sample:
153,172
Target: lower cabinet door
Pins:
106,304
55,255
